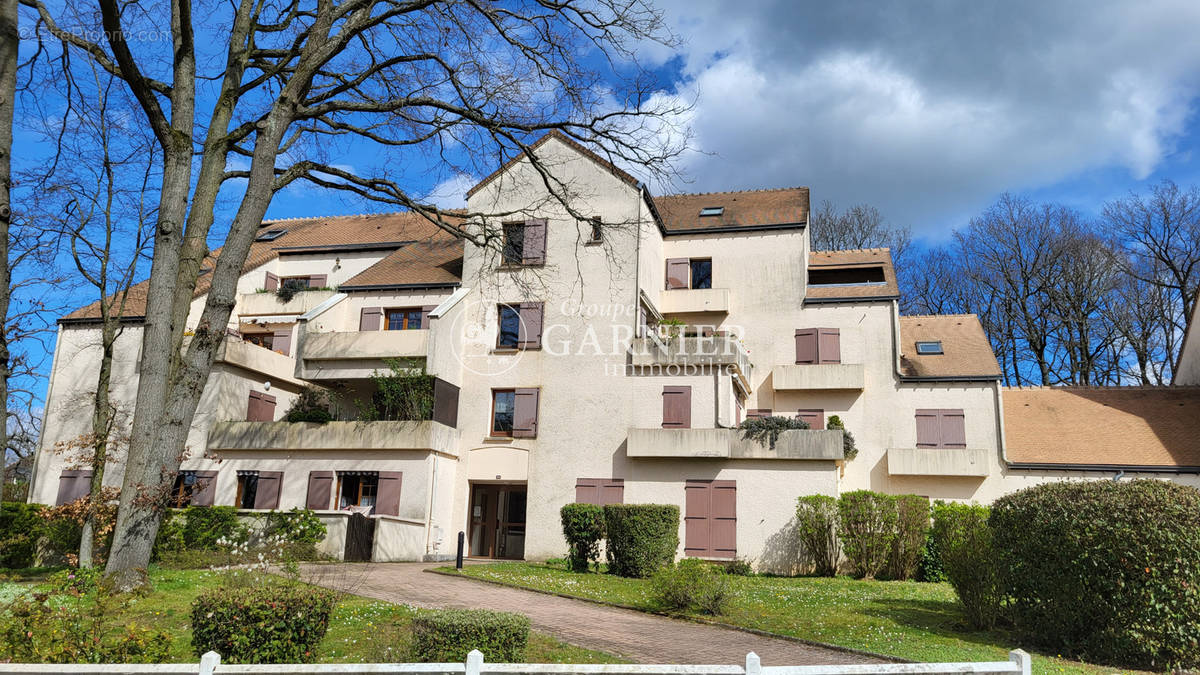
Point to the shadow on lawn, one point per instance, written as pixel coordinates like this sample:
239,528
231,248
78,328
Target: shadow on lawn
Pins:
938,617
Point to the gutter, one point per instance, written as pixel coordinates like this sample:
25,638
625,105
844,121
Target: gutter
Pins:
85,321
372,246
1107,468
948,378
400,287
734,228
873,298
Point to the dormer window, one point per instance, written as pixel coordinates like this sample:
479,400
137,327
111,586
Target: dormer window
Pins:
929,347
270,235
712,211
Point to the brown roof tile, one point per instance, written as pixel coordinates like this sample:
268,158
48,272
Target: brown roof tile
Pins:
965,349
749,208
1116,426
853,259
427,262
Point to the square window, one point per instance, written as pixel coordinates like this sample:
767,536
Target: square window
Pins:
503,405
514,243
701,273
930,347
510,327
408,318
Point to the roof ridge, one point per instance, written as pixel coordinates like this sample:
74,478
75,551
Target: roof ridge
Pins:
1102,387
880,249
345,215
937,316
733,192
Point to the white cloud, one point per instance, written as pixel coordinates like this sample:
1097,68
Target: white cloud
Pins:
451,193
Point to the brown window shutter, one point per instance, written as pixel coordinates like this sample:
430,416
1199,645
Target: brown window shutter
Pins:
204,491
445,402
758,413
282,341
806,345
929,434
677,273
73,484
317,280
271,283
320,487
587,490
525,413
535,242
724,519
529,330
815,418
269,485
370,318
612,491
260,408
953,425
677,407
387,500
425,315
697,527
829,345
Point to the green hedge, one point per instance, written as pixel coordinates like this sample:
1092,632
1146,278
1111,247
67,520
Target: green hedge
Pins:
867,522
642,538
583,528
912,526
692,584
1103,571
963,539
296,526
447,636
271,623
20,526
817,529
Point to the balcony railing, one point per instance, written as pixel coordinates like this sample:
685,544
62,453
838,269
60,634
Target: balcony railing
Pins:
937,462
333,436
689,300
378,344
267,303
814,377
799,444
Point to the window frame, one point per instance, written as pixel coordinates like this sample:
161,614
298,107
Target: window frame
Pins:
692,262
516,310
181,489
711,211
408,315
242,480
492,431
509,247
283,281
597,231
934,344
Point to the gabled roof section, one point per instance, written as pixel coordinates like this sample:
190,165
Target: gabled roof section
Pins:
854,275
423,264
782,208
966,352
305,235
569,142
1103,428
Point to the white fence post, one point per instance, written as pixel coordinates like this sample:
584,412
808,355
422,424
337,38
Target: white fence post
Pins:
474,662
209,663
1021,658
753,664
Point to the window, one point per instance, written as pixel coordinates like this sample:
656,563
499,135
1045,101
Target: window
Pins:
247,489
260,339
709,211
930,347
181,491
357,489
503,407
701,273
818,345
846,276
689,273
270,235
597,231
524,243
514,243
295,283
510,327
941,428
407,318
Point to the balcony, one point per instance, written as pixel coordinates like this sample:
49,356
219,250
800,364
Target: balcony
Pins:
333,436
377,344
815,377
937,462
689,300
267,304
713,350
798,444
257,359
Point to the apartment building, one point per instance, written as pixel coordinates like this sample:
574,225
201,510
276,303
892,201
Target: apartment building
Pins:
604,352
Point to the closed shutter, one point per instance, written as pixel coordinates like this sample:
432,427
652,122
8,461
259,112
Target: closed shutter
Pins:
806,345
271,283
425,315
269,485
205,489
677,407
282,341
815,418
954,429
829,345
320,487
697,528
260,408
710,522
529,331
525,413
587,490
677,273
612,491
445,402
928,430
758,413
535,242
317,280
73,484
724,519
370,318
387,500
600,491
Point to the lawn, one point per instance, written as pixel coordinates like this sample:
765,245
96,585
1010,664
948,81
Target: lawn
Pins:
361,630
909,620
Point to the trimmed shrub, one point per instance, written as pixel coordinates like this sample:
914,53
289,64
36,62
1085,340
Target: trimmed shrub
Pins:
447,636
912,528
929,566
962,536
583,528
297,526
19,530
817,529
1105,571
691,584
204,527
642,538
264,623
867,522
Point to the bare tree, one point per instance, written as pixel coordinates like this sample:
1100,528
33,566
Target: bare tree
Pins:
8,94
860,226
409,77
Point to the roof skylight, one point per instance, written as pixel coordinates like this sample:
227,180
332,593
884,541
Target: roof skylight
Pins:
929,347
270,235
712,211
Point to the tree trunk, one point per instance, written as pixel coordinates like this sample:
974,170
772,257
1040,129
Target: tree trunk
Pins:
101,424
8,94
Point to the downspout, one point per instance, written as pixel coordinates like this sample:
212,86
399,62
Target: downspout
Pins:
433,456
1004,463
37,457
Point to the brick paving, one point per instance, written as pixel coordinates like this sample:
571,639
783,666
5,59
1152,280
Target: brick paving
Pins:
640,637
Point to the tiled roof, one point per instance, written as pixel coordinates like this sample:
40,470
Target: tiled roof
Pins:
308,232
570,142
1112,426
854,259
965,349
750,208
428,262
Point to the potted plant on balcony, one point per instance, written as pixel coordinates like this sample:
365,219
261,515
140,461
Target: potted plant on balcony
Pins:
670,328
766,430
311,405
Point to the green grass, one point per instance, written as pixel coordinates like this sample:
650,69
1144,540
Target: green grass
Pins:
905,619
361,630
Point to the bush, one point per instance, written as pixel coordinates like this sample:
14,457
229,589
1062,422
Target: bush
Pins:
310,405
140,645
642,538
1105,571
169,539
962,536
849,446
765,430
207,528
264,623
43,627
817,528
867,522
76,581
738,568
447,636
929,565
583,528
297,526
912,528
691,584
19,530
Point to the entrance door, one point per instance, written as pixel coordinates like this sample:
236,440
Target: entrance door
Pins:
497,521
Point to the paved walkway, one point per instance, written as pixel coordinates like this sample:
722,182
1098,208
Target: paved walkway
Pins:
640,637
